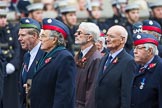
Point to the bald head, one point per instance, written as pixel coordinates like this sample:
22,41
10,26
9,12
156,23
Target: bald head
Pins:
119,30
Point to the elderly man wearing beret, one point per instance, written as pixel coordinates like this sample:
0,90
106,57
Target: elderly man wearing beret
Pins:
53,85
154,28
147,84
29,40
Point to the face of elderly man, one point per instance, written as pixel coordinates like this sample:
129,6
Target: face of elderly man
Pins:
47,41
115,38
81,37
141,55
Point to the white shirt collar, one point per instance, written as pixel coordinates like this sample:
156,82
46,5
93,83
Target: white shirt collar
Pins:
33,53
85,51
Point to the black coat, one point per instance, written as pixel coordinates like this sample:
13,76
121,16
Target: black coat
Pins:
113,89
53,84
150,95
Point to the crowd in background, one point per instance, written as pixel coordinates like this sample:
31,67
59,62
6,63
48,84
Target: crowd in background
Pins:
101,55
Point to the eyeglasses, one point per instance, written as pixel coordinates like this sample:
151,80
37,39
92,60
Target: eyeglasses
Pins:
138,47
79,33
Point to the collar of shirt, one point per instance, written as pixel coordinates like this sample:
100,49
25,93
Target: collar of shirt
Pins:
148,62
115,54
33,53
85,51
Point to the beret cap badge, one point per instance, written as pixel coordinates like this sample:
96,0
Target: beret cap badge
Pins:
27,21
138,36
150,22
49,20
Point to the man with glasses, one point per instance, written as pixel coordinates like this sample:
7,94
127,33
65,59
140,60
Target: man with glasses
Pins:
154,28
53,85
113,88
87,60
147,84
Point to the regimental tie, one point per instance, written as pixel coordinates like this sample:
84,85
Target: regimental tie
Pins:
25,68
142,69
80,55
107,63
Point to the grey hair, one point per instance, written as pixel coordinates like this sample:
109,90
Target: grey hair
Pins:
91,28
61,40
32,31
156,34
124,33
153,46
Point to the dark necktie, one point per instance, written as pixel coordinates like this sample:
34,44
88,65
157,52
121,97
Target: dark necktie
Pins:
80,55
142,69
107,62
25,68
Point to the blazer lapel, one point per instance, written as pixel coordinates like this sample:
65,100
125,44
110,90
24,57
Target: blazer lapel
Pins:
112,65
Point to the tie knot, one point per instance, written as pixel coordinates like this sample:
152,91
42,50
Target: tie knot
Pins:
142,69
80,55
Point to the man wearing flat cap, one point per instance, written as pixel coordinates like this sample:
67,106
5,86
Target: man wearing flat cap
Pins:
156,13
29,39
53,85
154,28
147,83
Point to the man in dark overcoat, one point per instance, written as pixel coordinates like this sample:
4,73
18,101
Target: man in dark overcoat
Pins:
53,85
147,84
29,39
116,71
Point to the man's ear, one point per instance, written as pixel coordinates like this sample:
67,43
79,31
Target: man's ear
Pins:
90,37
54,40
150,51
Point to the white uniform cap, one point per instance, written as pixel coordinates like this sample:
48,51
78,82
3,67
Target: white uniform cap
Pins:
35,6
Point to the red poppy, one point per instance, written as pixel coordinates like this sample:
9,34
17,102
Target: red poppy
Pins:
152,65
115,60
48,60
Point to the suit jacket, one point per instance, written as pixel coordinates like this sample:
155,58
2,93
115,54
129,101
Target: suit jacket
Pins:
86,76
30,75
148,94
53,85
113,88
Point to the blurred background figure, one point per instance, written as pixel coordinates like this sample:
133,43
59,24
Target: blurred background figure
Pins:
49,9
22,7
10,48
94,11
69,18
101,45
118,8
132,16
36,11
156,13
